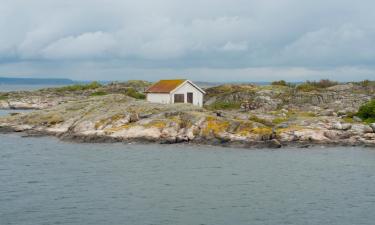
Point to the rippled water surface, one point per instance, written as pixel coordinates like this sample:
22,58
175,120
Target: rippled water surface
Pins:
45,181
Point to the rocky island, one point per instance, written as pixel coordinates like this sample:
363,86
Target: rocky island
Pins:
241,115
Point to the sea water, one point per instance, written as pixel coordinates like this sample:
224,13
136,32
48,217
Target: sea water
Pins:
46,181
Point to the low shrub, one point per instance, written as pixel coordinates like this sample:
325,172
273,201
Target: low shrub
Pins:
224,105
316,85
99,93
3,97
365,83
367,112
131,92
280,83
80,87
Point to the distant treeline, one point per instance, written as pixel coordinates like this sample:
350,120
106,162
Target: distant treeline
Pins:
34,81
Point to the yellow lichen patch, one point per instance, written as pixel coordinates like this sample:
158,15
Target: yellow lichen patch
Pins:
261,130
215,126
245,129
300,114
48,119
156,123
109,120
116,129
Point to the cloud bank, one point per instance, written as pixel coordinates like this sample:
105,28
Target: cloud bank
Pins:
243,40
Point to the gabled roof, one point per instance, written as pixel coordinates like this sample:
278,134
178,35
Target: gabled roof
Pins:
167,86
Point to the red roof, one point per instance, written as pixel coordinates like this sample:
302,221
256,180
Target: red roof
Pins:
164,86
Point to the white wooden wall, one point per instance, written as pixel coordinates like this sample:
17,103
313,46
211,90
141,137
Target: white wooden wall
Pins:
159,98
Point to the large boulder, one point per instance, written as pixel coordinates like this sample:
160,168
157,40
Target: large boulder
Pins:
342,126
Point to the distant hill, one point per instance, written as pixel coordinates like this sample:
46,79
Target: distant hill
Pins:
34,81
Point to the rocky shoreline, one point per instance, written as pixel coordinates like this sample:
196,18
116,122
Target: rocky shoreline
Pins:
281,118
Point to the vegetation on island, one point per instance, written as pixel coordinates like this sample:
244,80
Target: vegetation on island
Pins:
131,92
3,97
367,112
80,87
316,85
99,93
311,112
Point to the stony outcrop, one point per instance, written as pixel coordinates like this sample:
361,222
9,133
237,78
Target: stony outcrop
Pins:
116,117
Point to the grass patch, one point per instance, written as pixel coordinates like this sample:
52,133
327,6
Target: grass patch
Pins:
260,120
99,93
348,120
80,87
262,130
224,105
3,97
131,92
279,120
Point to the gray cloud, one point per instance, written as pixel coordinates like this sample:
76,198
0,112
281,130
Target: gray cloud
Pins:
115,37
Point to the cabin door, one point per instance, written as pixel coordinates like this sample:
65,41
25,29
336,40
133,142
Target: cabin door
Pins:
190,97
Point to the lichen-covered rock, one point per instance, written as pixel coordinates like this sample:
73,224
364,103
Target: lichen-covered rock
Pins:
283,115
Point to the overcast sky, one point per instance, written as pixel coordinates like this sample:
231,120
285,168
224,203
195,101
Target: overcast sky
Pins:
206,40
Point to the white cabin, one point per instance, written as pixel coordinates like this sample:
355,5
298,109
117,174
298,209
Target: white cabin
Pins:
175,91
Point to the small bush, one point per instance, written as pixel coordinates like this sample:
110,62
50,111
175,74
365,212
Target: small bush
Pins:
316,85
99,93
280,83
365,83
80,87
224,105
131,92
367,112
3,97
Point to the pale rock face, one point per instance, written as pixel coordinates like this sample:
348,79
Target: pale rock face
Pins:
361,129
342,126
21,105
139,132
310,135
169,132
61,128
369,136
332,134
373,127
21,128
4,105
85,127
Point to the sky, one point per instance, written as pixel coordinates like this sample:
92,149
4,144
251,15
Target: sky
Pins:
205,40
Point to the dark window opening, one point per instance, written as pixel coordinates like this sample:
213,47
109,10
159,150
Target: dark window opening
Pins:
190,97
179,98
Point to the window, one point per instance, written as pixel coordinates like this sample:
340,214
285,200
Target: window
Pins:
179,98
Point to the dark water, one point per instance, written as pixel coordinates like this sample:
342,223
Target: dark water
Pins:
44,181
